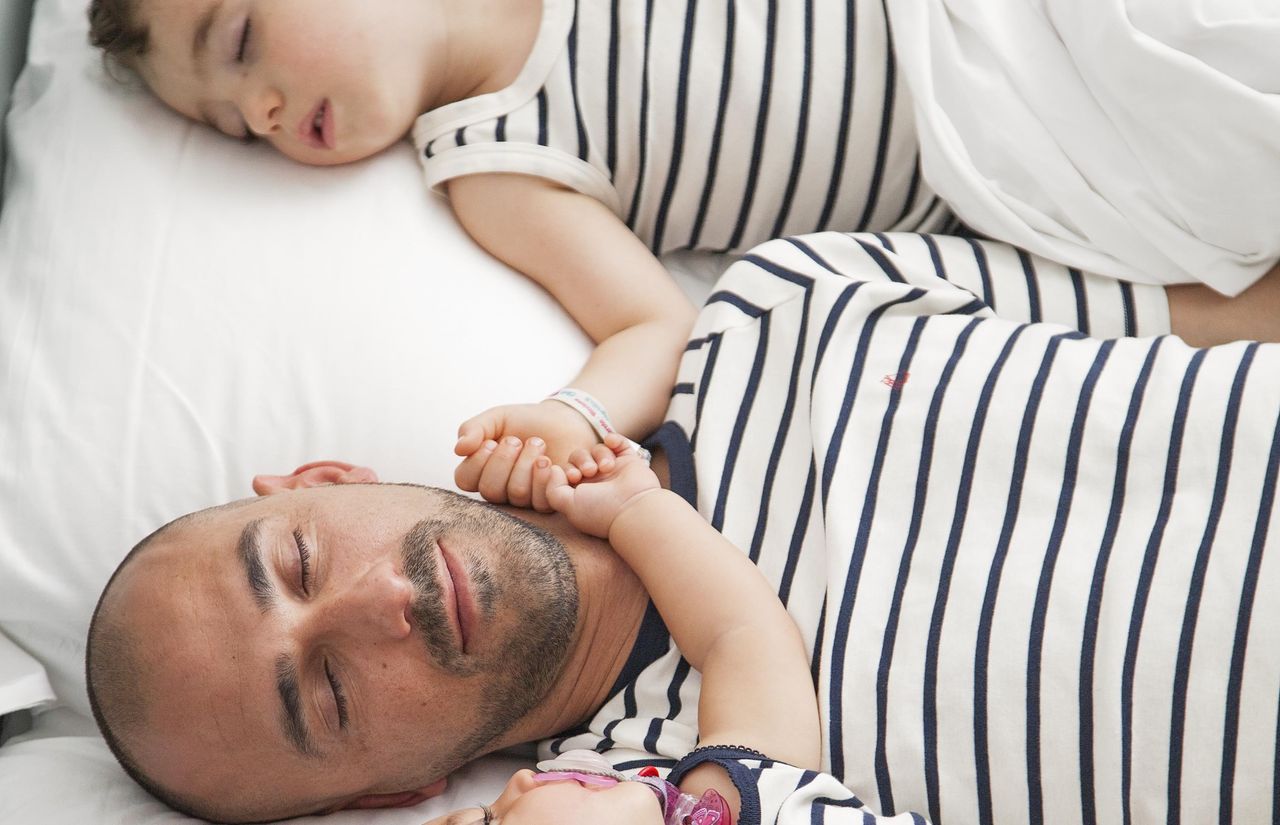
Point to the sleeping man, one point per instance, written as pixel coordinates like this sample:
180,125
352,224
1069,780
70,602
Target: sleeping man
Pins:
1029,564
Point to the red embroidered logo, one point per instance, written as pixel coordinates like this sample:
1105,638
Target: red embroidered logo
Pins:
896,380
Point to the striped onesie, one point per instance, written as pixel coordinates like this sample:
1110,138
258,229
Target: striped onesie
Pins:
1032,566
704,125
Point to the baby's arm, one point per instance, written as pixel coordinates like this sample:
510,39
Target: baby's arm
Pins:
757,691
611,284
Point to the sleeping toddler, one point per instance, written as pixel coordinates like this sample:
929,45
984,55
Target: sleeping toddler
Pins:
758,720
575,141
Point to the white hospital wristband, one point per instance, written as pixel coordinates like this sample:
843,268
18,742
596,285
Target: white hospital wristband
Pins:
592,410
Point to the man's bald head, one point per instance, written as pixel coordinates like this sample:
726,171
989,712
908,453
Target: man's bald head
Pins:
116,677
304,651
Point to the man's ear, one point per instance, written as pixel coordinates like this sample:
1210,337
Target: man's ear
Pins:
315,474
404,799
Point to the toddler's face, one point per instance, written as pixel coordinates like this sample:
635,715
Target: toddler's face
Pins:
325,83
525,801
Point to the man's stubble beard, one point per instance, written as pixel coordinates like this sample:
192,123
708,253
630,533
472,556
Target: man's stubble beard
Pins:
530,576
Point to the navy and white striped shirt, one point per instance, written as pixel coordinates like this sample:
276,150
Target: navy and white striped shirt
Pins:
1031,565
704,125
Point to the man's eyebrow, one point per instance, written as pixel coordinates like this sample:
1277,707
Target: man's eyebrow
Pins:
200,41
249,550
292,720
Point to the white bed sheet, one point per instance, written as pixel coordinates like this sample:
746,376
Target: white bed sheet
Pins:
179,312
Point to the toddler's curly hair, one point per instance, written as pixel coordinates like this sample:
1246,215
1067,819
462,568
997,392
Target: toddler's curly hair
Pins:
115,28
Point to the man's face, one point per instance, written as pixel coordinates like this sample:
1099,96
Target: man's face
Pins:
324,84
312,647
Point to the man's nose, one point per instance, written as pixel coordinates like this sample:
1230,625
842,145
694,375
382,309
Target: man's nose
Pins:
262,109
374,606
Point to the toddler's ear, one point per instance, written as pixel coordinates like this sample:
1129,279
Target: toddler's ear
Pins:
315,474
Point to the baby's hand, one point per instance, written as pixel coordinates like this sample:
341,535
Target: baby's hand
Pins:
501,445
593,503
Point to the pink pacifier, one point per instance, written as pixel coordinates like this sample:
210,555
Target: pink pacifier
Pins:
585,778
591,769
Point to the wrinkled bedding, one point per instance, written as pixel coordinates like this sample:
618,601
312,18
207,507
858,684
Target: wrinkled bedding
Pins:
1133,138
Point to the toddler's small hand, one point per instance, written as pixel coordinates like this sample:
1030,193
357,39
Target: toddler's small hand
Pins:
586,463
500,445
593,503
502,471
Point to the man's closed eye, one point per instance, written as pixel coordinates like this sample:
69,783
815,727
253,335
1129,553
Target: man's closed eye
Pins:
304,563
339,697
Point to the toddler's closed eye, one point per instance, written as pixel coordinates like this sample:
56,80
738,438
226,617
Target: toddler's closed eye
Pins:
244,40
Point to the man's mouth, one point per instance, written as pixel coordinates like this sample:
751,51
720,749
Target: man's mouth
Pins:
459,603
317,128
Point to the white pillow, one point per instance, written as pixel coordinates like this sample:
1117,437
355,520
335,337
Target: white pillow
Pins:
179,312
71,780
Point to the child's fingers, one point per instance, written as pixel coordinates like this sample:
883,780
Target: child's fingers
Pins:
520,485
470,438
497,471
541,477
467,473
603,456
559,493
616,443
581,460
477,429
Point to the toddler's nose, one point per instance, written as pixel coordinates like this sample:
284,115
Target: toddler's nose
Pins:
263,111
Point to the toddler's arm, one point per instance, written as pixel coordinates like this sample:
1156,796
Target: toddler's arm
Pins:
611,284
757,691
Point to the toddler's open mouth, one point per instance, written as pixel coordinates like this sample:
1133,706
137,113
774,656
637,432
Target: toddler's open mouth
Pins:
317,128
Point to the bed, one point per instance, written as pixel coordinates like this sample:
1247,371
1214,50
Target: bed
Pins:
179,312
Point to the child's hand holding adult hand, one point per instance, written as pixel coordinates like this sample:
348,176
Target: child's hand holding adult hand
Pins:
501,445
592,504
